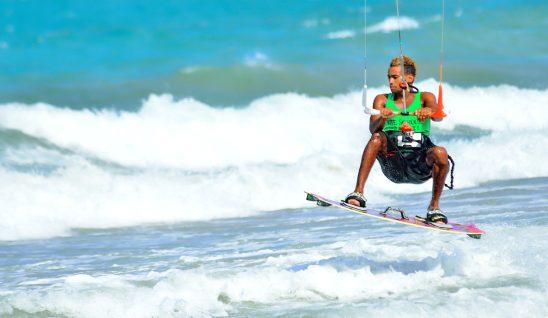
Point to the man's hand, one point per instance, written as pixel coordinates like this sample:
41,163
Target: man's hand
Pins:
386,113
423,113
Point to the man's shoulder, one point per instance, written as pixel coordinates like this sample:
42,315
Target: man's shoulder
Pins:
380,101
427,95
381,97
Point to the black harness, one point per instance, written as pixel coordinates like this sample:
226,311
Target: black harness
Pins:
405,158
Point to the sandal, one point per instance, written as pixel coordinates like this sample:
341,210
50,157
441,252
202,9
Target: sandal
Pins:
358,197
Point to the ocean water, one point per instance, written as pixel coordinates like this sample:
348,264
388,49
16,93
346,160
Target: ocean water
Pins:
153,159
228,53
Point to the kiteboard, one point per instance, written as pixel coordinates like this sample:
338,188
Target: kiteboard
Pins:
399,216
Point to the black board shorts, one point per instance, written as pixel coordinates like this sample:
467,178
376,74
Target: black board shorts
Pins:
405,165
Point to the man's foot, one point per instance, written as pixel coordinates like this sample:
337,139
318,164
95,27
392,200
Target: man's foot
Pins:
436,216
356,198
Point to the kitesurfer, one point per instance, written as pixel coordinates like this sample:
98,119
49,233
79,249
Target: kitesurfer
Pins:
400,142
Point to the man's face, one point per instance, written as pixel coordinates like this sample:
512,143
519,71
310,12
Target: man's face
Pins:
394,79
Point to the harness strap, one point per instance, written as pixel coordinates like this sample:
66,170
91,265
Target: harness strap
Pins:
450,187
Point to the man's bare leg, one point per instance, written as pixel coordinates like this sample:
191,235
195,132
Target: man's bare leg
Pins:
376,144
437,156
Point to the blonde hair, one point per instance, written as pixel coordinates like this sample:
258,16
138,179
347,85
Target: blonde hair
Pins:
409,65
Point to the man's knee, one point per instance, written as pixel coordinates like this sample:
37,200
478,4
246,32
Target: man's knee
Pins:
439,155
376,140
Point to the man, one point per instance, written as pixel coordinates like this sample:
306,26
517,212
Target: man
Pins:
400,142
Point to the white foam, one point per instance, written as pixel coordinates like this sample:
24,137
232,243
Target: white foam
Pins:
186,133
281,129
449,275
196,291
177,154
390,24
342,34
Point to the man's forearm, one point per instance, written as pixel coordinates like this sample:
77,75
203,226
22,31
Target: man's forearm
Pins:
376,125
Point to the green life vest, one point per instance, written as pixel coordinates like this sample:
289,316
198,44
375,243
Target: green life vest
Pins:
394,123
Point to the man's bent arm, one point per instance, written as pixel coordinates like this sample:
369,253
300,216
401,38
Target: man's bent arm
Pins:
429,101
376,122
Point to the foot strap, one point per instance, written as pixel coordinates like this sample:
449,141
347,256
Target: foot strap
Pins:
436,216
392,210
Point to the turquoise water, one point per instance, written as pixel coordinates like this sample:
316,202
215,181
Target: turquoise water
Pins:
153,160
113,54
